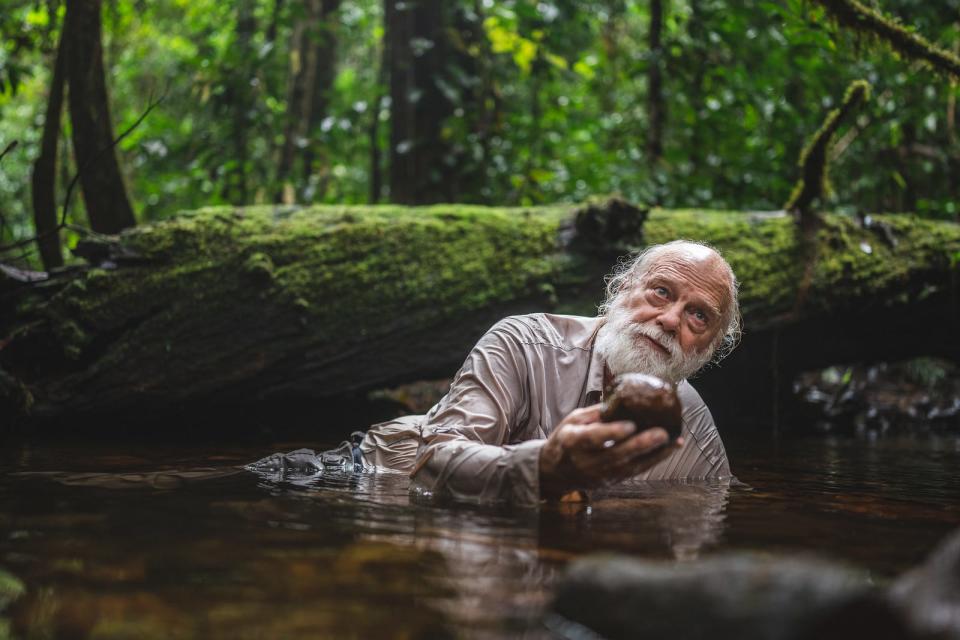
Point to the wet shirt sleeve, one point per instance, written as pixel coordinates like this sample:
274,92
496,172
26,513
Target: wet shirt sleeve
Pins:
466,449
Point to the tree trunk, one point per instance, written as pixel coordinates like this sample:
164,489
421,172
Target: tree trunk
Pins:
242,99
656,109
312,65
418,108
230,307
488,101
908,194
104,193
324,42
299,94
611,36
534,152
44,179
373,134
270,36
697,31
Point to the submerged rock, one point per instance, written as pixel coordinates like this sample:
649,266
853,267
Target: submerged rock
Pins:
739,596
912,396
929,596
757,597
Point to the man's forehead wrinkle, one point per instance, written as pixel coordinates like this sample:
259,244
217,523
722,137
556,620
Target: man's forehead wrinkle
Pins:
708,271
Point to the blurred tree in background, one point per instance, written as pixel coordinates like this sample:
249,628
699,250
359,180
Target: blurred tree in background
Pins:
686,103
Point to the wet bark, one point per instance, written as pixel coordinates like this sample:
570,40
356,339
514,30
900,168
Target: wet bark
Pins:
43,181
104,193
233,307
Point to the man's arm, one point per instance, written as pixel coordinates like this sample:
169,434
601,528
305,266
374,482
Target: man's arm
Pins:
465,449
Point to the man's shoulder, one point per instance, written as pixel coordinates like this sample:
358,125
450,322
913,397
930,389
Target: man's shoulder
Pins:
701,429
696,414
549,329
688,394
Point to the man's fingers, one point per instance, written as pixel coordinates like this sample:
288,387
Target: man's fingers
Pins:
644,442
599,435
640,448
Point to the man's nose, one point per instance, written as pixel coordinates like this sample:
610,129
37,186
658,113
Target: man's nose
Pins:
669,318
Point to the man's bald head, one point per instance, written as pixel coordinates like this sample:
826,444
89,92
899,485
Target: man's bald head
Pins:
709,266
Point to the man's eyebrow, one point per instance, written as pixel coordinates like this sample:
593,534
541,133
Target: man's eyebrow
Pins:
657,277
699,301
712,308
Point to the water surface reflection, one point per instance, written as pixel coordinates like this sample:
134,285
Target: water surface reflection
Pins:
163,542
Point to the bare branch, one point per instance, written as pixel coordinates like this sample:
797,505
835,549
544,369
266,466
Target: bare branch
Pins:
814,159
76,177
66,200
10,147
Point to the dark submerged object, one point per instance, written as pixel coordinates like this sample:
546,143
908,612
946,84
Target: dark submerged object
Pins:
646,400
305,465
750,596
735,596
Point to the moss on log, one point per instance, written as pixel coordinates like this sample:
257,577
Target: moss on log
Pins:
894,260
866,20
232,305
224,304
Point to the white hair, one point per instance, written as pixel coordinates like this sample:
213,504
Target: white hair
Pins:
632,271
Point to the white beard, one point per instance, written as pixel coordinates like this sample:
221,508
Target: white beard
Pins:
620,343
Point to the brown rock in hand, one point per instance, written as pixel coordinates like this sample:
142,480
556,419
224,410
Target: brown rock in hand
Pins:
646,400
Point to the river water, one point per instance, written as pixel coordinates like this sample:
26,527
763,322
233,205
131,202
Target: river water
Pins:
157,541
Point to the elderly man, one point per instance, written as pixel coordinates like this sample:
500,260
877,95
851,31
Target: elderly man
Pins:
521,421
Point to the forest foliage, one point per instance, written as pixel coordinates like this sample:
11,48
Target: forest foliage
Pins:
683,103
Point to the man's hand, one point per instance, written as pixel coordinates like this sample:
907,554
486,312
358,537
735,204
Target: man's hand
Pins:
583,452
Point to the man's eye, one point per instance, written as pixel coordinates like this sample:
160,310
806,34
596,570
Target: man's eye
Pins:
700,316
661,291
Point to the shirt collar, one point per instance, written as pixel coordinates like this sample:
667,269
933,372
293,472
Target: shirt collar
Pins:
593,386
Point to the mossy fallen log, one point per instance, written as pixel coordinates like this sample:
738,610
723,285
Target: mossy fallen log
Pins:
222,307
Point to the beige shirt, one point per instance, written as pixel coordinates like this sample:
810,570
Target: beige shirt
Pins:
481,442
